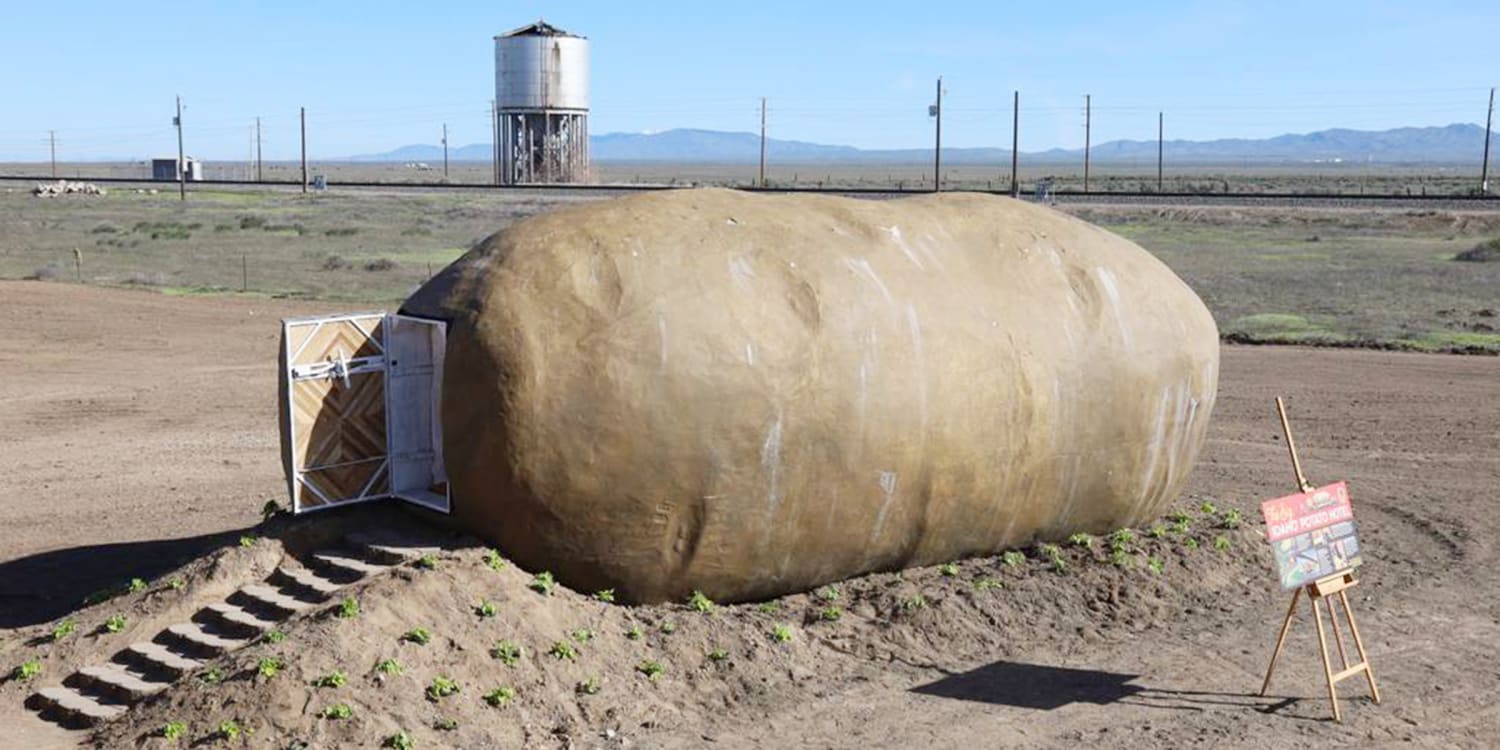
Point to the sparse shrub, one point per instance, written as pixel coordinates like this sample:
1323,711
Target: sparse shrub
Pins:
500,696
1484,252
275,635
542,583
173,730
1059,565
399,741
248,540
135,586
1221,543
589,687
341,232
334,679
1119,558
389,666
508,652
1181,526
781,633
914,602
700,603
45,273
417,635
416,232
269,666
337,711
768,608
441,688
104,229
486,608
348,609
211,676
582,635
493,559
1121,538
26,670
1208,508
1082,540
718,655
668,627
427,562
605,595
831,614
1156,565
63,629
652,669
115,623
827,593
252,222
563,650
949,570
1049,550
1231,519
334,262
1158,531
1191,543
220,228
634,633
380,264
1013,558
229,730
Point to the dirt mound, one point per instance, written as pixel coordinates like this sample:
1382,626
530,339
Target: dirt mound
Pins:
542,665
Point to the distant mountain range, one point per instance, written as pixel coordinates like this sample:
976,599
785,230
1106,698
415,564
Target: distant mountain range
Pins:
1457,143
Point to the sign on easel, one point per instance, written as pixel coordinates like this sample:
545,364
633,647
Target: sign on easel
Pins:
1312,536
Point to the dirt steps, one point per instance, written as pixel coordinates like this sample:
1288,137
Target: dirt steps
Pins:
100,693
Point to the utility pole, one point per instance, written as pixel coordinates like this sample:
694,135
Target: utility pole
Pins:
1088,114
302,118
52,140
1158,151
1484,171
445,152
258,176
181,167
1015,145
937,148
762,179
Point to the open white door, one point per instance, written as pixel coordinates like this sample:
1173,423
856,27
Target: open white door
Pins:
360,397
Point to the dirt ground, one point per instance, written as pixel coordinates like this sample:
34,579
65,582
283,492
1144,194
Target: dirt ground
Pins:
137,435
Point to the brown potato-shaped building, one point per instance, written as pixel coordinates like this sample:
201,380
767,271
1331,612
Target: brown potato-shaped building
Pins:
750,395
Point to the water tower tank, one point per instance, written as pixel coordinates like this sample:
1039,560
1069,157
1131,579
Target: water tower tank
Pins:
542,102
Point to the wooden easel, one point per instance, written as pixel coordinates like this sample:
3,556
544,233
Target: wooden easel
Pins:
1334,588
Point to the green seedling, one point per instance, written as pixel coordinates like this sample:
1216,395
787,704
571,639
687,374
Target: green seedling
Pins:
507,652
135,586
1013,559
563,650
1221,543
337,711
500,696
582,635
269,666
768,608
1059,565
334,679
427,562
115,623
590,686
1179,516
781,633
486,608
1208,508
914,602
1082,540
652,669
399,741
634,633
985,584
1155,565
701,603
1231,519
542,583
718,655
1119,558
389,666
419,636
173,730
831,614
1181,527
269,510
1121,538
211,676
64,629
275,636
606,595
949,570
348,608
445,724
248,540
1191,543
668,627
1049,550
26,670
441,687
229,730
1158,531
827,594
493,560
177,583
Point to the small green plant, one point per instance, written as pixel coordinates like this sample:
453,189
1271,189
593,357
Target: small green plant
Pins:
1082,540
1157,531
27,670
248,540
1180,516
1221,543
949,570
500,696
914,602
418,635
334,679
115,623
582,635
590,686
275,636
542,583
781,633
718,655
229,730
831,614
135,586
269,510
1119,558
177,583
173,730
1156,565
64,629
348,609
1191,543
493,560
605,595
1049,550
1231,519
700,603
1121,538
634,633
389,666
337,711
768,608
668,627
427,562
986,583
827,594
1181,527
399,741
1013,558
508,652
652,669
441,687
1059,565
211,676
486,608
269,666
563,650
445,724
1208,508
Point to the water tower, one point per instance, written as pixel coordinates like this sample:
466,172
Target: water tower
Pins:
542,97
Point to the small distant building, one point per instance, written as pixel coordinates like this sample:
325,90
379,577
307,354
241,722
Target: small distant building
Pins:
165,168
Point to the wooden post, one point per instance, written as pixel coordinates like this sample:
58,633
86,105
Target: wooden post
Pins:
762,180
1484,170
259,177
244,272
181,167
302,120
1088,116
445,152
1291,447
1015,145
1286,624
937,146
1158,151
52,140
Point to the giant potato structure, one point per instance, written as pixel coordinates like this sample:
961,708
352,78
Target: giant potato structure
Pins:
749,395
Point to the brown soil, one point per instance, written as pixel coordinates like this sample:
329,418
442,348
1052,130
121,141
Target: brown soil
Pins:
138,436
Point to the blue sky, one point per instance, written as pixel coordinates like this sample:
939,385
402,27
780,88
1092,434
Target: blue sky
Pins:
375,75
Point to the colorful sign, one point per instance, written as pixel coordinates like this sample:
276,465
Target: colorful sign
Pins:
1311,534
